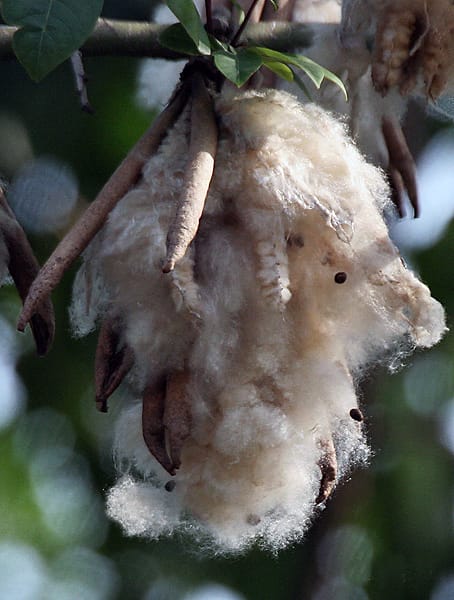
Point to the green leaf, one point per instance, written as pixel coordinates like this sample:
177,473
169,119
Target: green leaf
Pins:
237,66
218,45
280,69
336,80
177,39
314,71
300,83
275,4
186,12
49,30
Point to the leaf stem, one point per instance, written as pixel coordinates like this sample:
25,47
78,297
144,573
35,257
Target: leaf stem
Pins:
80,79
402,168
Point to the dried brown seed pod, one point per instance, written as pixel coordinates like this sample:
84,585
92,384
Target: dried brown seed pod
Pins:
23,268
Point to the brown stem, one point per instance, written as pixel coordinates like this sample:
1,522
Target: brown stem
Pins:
23,268
77,239
112,363
401,160
81,81
397,190
209,16
199,170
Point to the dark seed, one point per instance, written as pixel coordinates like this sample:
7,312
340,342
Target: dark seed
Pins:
170,486
340,277
356,414
295,240
253,520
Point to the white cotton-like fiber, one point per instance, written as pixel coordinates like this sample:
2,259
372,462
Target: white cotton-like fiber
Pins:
318,11
290,290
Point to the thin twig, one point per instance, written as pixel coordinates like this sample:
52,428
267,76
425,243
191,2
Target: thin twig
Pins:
80,79
23,268
249,16
209,16
402,161
397,190
198,174
77,239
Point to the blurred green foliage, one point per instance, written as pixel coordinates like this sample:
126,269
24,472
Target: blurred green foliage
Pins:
387,533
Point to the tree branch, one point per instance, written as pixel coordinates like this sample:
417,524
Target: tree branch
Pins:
141,39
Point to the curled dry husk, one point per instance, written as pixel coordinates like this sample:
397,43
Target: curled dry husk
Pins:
414,46
17,259
290,290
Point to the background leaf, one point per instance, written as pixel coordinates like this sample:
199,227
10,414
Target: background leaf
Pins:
300,83
187,14
237,66
49,30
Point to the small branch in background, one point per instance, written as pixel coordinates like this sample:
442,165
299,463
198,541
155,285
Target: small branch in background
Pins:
253,15
81,79
78,238
209,16
402,166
